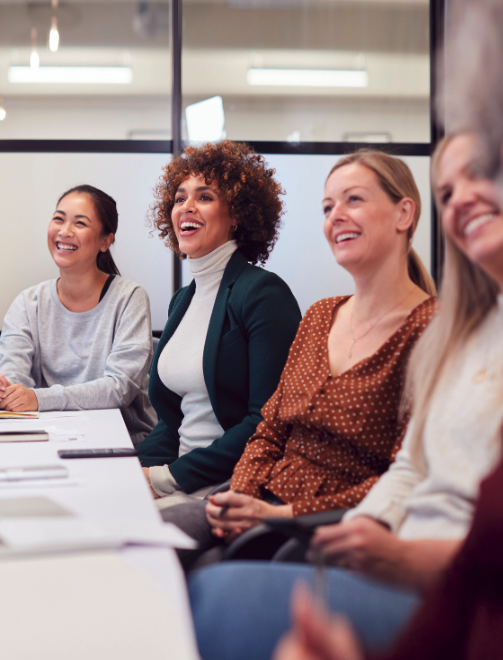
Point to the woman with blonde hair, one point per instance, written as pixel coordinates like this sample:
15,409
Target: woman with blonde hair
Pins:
332,427
414,520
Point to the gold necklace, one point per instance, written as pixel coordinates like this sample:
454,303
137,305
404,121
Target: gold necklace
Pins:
479,376
356,339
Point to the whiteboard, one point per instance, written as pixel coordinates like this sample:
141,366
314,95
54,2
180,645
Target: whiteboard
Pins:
30,184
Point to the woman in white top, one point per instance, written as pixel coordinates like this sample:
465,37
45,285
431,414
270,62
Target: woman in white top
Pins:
413,521
84,340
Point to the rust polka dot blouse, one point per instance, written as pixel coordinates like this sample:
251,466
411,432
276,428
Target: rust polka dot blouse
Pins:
325,440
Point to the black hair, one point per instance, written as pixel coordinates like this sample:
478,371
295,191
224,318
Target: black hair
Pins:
106,210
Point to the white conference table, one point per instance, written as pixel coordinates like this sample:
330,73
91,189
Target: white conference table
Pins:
106,491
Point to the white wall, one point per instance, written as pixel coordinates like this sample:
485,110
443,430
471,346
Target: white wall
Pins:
302,256
30,185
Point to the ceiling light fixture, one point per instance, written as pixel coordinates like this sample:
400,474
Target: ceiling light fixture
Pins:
54,36
308,77
71,75
54,33
34,58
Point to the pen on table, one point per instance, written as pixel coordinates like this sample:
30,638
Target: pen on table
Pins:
226,507
320,578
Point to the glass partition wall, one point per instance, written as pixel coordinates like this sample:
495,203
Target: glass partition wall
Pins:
86,69
311,71
304,81
275,70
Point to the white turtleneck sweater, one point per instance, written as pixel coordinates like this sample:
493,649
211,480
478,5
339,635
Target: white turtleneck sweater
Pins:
180,365
435,498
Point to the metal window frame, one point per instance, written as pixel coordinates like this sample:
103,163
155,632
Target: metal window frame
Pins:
176,145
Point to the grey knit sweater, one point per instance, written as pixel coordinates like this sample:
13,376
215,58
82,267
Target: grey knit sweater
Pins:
81,361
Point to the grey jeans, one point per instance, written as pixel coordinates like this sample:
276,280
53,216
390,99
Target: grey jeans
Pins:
191,518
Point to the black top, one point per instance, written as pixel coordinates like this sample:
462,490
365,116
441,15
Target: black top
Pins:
106,286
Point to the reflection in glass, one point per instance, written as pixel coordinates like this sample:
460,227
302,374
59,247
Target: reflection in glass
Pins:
85,69
311,70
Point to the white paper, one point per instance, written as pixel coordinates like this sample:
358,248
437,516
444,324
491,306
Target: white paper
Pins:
69,434
59,414
53,534
37,484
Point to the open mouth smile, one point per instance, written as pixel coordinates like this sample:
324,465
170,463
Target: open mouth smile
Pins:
475,223
66,247
347,236
189,227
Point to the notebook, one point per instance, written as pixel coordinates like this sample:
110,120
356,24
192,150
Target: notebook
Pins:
35,435
7,414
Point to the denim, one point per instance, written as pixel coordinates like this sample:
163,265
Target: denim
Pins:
241,609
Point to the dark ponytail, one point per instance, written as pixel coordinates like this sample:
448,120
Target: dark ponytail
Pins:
106,210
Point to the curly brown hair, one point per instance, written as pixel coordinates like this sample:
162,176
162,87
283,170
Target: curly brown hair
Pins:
246,185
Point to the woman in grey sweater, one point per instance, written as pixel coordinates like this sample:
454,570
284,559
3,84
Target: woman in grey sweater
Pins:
82,341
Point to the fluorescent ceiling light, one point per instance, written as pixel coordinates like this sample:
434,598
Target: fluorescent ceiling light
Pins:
107,75
308,77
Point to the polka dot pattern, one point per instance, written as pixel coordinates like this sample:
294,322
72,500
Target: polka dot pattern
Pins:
325,440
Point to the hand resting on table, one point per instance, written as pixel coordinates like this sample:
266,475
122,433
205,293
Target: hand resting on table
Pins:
16,397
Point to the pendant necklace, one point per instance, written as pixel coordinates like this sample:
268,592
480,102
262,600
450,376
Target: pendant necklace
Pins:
491,359
356,339
479,376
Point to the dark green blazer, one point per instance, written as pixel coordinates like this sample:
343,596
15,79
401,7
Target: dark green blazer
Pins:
253,323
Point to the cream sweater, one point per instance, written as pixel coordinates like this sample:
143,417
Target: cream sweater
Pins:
433,495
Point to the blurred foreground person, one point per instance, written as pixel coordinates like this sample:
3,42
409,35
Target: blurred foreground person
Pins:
461,617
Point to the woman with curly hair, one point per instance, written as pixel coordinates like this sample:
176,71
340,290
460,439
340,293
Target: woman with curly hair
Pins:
228,333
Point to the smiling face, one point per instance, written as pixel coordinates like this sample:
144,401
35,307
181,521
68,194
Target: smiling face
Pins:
471,207
362,224
75,235
201,220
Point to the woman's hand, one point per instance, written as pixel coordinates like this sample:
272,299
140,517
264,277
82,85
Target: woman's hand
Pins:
147,476
363,544
241,512
16,398
316,635
4,384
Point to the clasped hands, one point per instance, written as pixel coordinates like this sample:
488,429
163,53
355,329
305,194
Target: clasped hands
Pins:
240,513
16,398
361,544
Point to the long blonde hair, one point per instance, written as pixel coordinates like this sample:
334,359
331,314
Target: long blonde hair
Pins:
467,296
396,179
